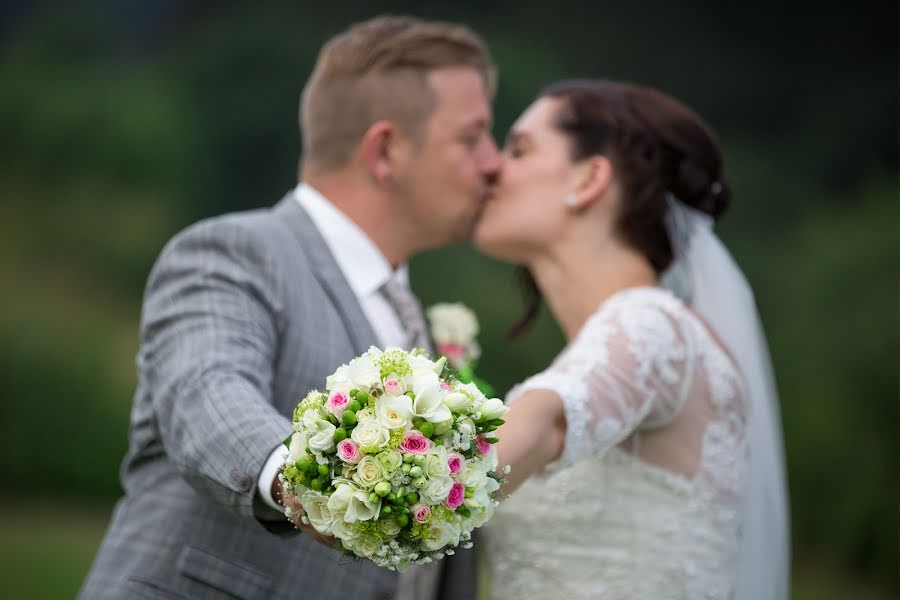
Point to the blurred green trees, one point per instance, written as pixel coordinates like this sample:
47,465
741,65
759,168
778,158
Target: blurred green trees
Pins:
122,124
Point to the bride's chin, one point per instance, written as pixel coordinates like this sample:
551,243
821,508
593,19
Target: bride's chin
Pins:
494,247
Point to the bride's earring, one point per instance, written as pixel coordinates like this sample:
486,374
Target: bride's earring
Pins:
571,201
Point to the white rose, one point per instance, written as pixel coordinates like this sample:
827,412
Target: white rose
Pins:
297,449
365,546
453,323
342,530
365,414
340,378
423,366
393,412
388,527
436,490
311,419
435,464
441,534
363,373
472,475
315,505
360,508
370,433
457,401
429,404
493,409
368,472
324,440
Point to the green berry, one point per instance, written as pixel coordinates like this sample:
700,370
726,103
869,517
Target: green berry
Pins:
302,465
317,484
348,418
382,488
354,393
354,405
324,470
427,429
402,520
386,510
412,498
373,497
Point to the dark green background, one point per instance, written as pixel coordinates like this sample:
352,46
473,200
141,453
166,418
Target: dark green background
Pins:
122,122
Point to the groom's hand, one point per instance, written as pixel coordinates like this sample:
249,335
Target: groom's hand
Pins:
289,500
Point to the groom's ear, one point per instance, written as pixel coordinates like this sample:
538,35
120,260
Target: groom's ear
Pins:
381,147
595,180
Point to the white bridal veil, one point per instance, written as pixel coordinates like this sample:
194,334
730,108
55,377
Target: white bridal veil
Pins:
705,276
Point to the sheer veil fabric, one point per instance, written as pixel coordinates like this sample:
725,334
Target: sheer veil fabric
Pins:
705,276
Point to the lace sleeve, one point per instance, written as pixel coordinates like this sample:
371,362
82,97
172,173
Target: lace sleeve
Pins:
626,369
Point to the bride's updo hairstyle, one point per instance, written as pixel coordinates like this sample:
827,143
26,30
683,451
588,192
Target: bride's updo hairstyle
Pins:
657,147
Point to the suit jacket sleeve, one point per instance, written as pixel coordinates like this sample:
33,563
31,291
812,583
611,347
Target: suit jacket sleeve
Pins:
209,334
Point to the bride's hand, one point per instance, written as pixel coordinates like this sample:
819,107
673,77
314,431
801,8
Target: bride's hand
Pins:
290,500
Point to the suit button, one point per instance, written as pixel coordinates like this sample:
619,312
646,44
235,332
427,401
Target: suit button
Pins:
241,481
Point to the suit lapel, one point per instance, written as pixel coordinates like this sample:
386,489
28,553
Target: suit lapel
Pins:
328,273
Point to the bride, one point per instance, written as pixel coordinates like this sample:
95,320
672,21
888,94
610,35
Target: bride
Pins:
646,461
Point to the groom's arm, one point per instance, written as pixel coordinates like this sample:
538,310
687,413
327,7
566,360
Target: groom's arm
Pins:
209,332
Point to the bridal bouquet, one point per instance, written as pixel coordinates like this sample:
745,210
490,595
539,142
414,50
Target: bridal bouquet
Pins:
395,458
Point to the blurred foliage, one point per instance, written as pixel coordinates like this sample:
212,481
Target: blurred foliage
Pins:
124,122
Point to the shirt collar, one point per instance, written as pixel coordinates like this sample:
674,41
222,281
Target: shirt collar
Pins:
362,263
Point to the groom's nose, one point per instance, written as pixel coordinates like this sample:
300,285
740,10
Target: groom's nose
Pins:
490,161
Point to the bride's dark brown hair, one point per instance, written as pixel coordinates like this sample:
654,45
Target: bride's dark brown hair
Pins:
657,146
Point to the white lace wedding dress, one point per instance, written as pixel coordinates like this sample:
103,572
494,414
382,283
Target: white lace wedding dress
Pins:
644,501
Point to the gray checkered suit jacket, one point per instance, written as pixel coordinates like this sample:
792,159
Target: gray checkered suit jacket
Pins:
242,315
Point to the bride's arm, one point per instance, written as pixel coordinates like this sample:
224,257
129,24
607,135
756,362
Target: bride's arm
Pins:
627,364
532,437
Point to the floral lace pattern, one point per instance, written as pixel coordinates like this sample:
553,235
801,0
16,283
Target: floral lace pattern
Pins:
644,501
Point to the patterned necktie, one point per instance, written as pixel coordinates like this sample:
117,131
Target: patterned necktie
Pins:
409,311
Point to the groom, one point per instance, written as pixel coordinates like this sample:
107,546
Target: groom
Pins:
244,313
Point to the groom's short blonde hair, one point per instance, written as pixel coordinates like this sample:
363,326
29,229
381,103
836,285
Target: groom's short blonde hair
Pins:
378,70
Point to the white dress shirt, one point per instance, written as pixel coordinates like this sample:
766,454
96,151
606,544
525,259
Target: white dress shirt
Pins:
366,269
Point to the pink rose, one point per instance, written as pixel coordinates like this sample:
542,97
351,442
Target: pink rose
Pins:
455,462
348,451
420,512
483,446
446,386
457,495
392,387
415,443
337,403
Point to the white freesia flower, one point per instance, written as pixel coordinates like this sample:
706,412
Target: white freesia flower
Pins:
493,409
394,412
370,433
323,441
457,401
297,449
429,404
472,390
422,365
340,499
315,505
436,490
360,508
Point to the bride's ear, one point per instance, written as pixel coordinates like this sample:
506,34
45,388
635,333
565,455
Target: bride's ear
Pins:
594,180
